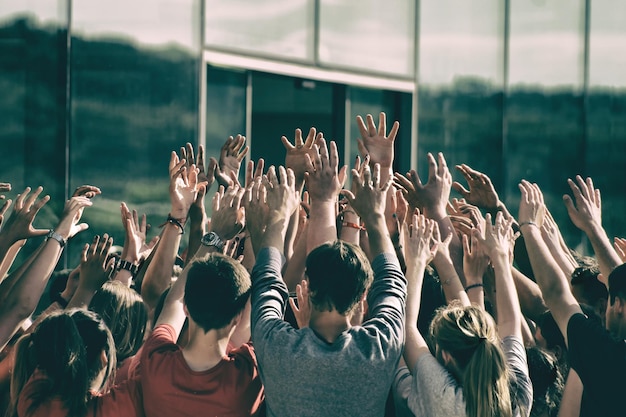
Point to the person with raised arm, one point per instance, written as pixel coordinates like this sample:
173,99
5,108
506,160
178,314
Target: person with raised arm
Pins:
328,367
20,292
598,356
472,373
204,376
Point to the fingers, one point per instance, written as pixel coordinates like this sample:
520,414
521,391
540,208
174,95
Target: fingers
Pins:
382,124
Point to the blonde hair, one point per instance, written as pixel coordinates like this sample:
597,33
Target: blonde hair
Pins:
469,335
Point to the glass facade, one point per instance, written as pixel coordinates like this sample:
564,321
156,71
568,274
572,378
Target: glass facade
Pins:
99,92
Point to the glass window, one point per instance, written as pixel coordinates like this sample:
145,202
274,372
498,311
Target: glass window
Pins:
544,108
606,110
33,103
134,100
461,84
371,35
281,28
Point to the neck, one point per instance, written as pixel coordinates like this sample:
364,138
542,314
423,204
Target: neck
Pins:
205,350
328,325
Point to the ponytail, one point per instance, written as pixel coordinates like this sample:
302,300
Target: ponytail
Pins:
486,383
469,335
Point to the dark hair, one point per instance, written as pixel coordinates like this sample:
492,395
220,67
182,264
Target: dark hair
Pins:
551,332
216,291
339,274
66,347
586,277
124,312
617,283
547,379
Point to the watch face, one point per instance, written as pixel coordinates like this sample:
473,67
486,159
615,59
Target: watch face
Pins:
212,239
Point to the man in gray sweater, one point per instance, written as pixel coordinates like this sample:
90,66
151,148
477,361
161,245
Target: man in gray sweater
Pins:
329,368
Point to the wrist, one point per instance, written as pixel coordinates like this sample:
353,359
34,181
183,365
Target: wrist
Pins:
179,213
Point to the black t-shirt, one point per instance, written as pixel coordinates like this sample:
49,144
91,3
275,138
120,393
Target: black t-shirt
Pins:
600,361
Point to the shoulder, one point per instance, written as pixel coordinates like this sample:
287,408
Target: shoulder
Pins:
161,340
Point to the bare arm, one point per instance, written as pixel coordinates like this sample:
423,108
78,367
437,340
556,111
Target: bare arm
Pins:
572,396
552,281
586,214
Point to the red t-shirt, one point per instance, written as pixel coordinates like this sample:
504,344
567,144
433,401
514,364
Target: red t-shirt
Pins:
124,400
231,388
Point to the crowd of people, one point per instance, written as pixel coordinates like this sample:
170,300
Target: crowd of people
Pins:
302,296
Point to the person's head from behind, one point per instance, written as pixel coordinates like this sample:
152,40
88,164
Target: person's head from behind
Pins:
467,344
548,382
74,351
216,292
124,312
616,308
586,287
339,275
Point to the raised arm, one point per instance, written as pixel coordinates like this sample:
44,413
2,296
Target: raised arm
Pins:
450,281
27,287
94,271
418,237
183,190
481,191
324,182
586,214
498,243
552,281
376,143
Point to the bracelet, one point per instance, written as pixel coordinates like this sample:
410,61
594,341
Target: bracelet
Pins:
176,222
54,235
353,225
528,223
469,287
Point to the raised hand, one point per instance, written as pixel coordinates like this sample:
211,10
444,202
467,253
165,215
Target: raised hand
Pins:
232,153
481,191
323,179
207,175
88,191
135,246
375,142
228,217
252,173
531,208
256,211
369,197
4,209
302,310
586,213
420,245
475,260
19,225
183,187
282,200
499,237
620,247
68,226
433,196
94,268
296,153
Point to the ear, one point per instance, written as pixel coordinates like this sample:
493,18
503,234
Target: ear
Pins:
448,360
104,359
619,305
237,319
185,310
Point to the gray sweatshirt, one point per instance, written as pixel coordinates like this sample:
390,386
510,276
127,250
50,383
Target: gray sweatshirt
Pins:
306,376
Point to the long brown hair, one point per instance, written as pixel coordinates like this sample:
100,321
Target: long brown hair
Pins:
66,347
469,336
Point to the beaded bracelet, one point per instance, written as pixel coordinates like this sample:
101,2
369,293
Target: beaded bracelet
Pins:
176,222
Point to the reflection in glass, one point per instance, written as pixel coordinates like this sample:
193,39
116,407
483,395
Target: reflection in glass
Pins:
132,104
461,83
544,108
33,102
282,28
606,110
371,35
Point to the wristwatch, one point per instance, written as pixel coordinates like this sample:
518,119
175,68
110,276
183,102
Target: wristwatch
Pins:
54,235
212,239
129,266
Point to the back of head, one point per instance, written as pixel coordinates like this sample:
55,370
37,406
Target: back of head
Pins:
548,382
617,283
124,312
216,291
338,274
66,347
469,336
586,287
